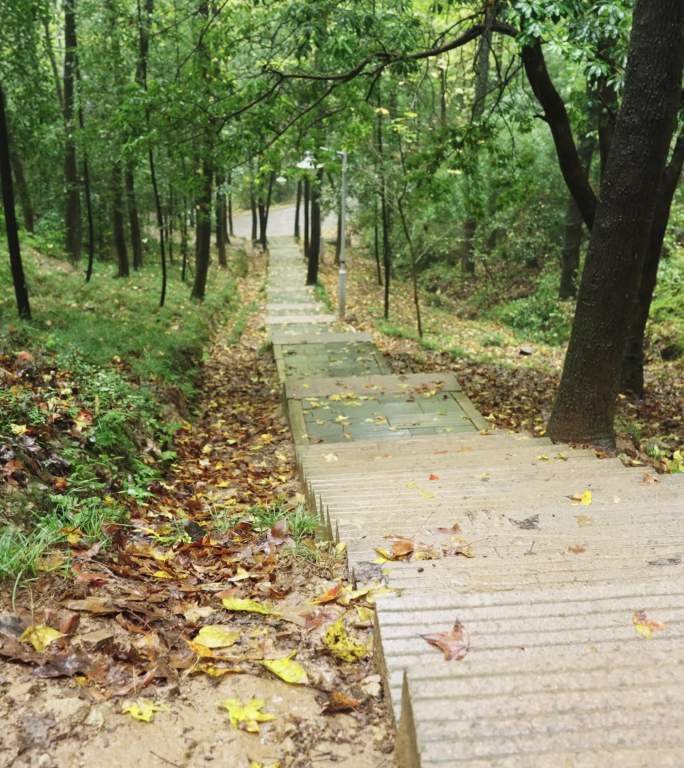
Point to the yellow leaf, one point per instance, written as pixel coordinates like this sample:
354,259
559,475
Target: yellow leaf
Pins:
18,429
142,709
246,716
250,606
340,644
645,626
216,636
585,499
162,575
255,764
364,615
40,636
213,671
583,520
288,670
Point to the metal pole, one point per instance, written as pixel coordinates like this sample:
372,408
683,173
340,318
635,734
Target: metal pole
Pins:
342,285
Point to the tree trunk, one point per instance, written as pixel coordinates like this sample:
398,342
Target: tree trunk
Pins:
376,240
253,206
49,49
307,200
23,192
133,218
72,213
86,186
203,231
297,208
231,227
18,278
315,242
585,403
632,376
574,229
221,221
184,242
118,228
170,219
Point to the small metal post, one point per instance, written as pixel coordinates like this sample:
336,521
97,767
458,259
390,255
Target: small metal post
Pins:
342,284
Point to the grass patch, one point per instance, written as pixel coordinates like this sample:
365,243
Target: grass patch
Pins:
322,295
101,378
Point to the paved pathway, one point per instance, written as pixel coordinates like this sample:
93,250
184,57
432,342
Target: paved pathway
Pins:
574,611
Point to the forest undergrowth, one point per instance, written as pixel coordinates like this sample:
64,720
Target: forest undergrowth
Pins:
509,357
211,624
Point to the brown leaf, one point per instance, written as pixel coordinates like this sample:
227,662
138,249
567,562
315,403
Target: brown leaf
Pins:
455,643
402,548
577,549
340,702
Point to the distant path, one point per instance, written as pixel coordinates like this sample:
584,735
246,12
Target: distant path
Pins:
280,222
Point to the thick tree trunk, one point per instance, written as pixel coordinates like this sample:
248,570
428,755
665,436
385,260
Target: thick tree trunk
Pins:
585,403
133,218
118,228
315,243
632,376
574,229
203,231
23,192
18,278
72,213
307,201
221,221
298,205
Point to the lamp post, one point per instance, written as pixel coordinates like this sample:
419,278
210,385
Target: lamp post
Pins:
342,280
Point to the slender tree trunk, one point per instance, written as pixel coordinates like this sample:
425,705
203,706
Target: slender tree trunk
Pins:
231,227
253,207
133,218
307,201
203,231
585,403
86,186
49,49
414,271
376,239
297,208
221,221
386,220
170,219
18,278
72,214
23,191
118,228
632,376
184,242
574,229
315,242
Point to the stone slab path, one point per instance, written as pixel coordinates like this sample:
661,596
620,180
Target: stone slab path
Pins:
566,572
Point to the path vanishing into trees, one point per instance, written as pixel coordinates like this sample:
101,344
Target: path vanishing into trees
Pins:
537,611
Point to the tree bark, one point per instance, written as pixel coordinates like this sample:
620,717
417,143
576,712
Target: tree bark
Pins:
184,242
221,221
118,228
203,231
23,191
133,217
376,240
315,243
231,228
298,205
632,375
307,200
72,213
584,408
253,206
556,115
574,230
18,278
49,49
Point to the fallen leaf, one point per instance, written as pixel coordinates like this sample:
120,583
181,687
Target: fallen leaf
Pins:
340,702
40,636
216,636
432,476
583,520
372,686
329,595
142,709
584,498
645,626
247,716
455,643
342,645
196,612
249,606
287,669
577,549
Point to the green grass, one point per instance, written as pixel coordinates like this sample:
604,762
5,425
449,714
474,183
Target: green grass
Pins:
121,360
322,295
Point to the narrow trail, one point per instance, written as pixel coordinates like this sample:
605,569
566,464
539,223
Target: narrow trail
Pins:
538,613
226,525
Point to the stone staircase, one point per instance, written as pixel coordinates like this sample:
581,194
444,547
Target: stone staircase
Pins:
557,596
